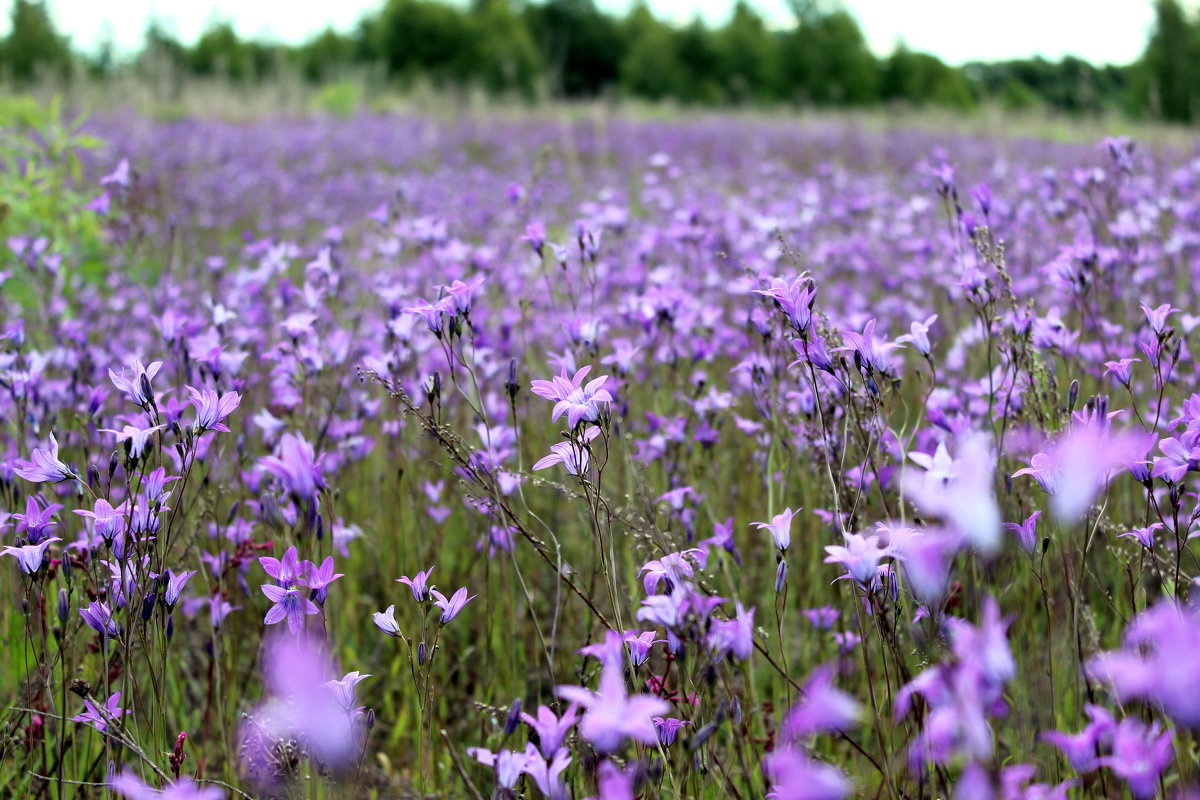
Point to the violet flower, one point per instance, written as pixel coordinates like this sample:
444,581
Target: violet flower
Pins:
611,715
30,557
103,716
418,584
290,605
451,607
45,466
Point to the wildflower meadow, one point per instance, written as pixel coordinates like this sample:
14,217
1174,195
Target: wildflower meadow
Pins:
581,456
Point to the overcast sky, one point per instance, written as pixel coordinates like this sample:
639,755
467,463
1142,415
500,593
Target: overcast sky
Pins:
1112,31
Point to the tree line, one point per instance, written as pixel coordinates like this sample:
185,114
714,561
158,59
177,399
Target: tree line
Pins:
571,49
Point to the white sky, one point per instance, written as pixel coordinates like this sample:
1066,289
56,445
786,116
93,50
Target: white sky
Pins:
1111,31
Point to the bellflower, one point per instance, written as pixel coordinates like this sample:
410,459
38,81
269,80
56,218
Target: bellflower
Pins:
296,466
1026,532
102,716
290,605
212,409
780,527
36,521
795,776
452,606
611,715
45,466
551,729
131,787
135,382
580,402
99,617
419,584
822,708
1139,755
30,557
386,621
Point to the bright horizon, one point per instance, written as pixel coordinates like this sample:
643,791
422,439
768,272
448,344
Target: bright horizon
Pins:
957,31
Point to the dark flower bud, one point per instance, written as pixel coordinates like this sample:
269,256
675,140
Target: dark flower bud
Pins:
512,387
233,509
370,718
170,626
702,736
64,605
421,653
66,568
320,526
148,605
780,575
113,460
514,717
93,475
147,391
1045,544
1072,396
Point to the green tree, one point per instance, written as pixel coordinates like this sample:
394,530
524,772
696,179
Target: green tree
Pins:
504,57
651,67
1168,76
581,47
748,56
825,59
33,47
920,79
421,38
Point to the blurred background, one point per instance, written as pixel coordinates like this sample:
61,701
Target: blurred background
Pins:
1135,60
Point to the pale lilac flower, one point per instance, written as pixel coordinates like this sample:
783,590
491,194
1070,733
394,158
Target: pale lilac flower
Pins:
30,557
1026,532
452,606
822,708
668,729
212,409
135,439
131,787
551,729
108,522
1139,755
45,466
386,621
573,455
860,556
611,715
780,527
419,584
290,605
795,776
1083,749
580,402
296,466
174,587
1144,536
102,716
134,382
1157,317
343,691
918,335
99,617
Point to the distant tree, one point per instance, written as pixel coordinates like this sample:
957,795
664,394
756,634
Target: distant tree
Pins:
219,53
421,38
651,67
825,59
323,56
504,57
697,49
581,47
33,47
748,56
1168,75
920,79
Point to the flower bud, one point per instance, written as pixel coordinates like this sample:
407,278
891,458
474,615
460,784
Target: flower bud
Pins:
64,604
780,575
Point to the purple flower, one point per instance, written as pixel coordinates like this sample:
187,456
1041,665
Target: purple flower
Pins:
212,408
343,691
639,644
30,557
795,776
823,708
386,621
1120,369
822,618
131,787
573,455
1159,662
1157,317
36,521
548,774
135,439
860,556
1026,532
795,299
101,717
319,578
44,466
451,607
551,729
134,382
869,355
612,715
918,335
99,617
174,588
572,397
668,729
286,571
290,604
1082,749
1178,458
535,236
1139,755
296,466
507,765
780,527
108,522
735,635
1144,536
419,584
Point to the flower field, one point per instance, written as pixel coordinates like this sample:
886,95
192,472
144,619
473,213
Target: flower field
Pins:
404,456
